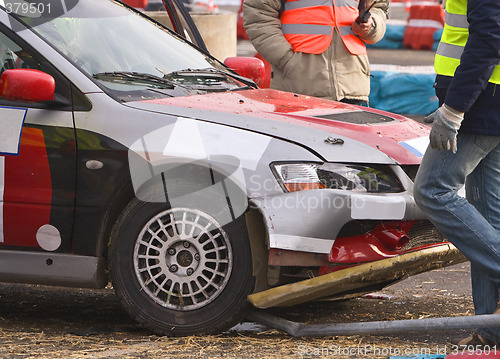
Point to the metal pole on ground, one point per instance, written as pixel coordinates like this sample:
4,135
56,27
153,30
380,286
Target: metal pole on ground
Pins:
374,328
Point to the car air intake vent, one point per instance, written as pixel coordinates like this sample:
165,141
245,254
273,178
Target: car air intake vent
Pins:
423,233
359,117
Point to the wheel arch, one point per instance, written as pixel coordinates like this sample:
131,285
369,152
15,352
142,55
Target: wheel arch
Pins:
184,180
259,240
119,201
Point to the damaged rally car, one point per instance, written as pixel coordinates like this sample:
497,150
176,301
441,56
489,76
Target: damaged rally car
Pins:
129,154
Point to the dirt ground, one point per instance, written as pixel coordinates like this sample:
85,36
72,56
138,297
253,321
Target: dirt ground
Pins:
46,322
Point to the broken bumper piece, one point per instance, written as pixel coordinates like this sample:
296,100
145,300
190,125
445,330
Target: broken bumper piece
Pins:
366,275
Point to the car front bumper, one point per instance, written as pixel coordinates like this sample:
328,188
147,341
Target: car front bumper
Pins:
310,221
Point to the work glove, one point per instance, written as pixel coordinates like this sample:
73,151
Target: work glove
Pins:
445,124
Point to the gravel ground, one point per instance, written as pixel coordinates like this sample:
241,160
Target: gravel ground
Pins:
46,322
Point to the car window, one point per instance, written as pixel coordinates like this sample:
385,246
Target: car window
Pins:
13,56
128,54
17,54
119,41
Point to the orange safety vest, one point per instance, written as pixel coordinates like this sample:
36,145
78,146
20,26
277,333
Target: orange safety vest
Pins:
308,25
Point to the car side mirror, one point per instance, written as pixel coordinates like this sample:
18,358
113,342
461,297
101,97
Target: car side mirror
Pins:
27,85
249,67
138,4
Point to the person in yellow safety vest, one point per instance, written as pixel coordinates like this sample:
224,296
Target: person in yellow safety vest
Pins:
316,47
465,150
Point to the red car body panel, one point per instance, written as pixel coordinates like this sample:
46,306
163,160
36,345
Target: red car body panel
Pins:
27,190
298,109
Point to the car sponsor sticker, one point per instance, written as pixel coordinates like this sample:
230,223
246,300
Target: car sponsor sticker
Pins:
11,125
417,146
377,207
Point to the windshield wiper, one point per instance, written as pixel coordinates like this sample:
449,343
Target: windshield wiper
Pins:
212,73
136,77
208,72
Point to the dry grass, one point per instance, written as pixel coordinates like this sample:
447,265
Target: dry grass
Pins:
269,344
41,322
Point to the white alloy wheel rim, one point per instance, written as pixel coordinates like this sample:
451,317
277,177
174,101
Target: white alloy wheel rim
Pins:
183,259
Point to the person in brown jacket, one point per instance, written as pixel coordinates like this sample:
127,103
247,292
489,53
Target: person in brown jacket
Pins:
316,47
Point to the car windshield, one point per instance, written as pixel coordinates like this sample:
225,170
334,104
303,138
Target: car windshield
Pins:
129,56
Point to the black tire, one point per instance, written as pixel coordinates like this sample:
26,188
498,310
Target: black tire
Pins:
151,260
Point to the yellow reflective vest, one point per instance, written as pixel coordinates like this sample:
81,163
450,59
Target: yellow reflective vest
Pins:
453,40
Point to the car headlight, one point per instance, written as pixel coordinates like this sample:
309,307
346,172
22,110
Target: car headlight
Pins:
354,177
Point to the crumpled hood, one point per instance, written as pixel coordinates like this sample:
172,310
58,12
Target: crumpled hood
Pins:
333,130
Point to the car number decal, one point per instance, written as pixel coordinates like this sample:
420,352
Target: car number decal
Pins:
11,123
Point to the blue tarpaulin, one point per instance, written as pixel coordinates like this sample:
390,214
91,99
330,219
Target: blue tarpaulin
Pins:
393,38
403,93
437,38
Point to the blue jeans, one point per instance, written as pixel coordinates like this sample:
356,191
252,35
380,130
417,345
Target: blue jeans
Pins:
472,224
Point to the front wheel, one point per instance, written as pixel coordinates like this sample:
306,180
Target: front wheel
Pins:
177,271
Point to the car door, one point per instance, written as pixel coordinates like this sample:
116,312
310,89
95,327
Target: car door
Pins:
37,158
